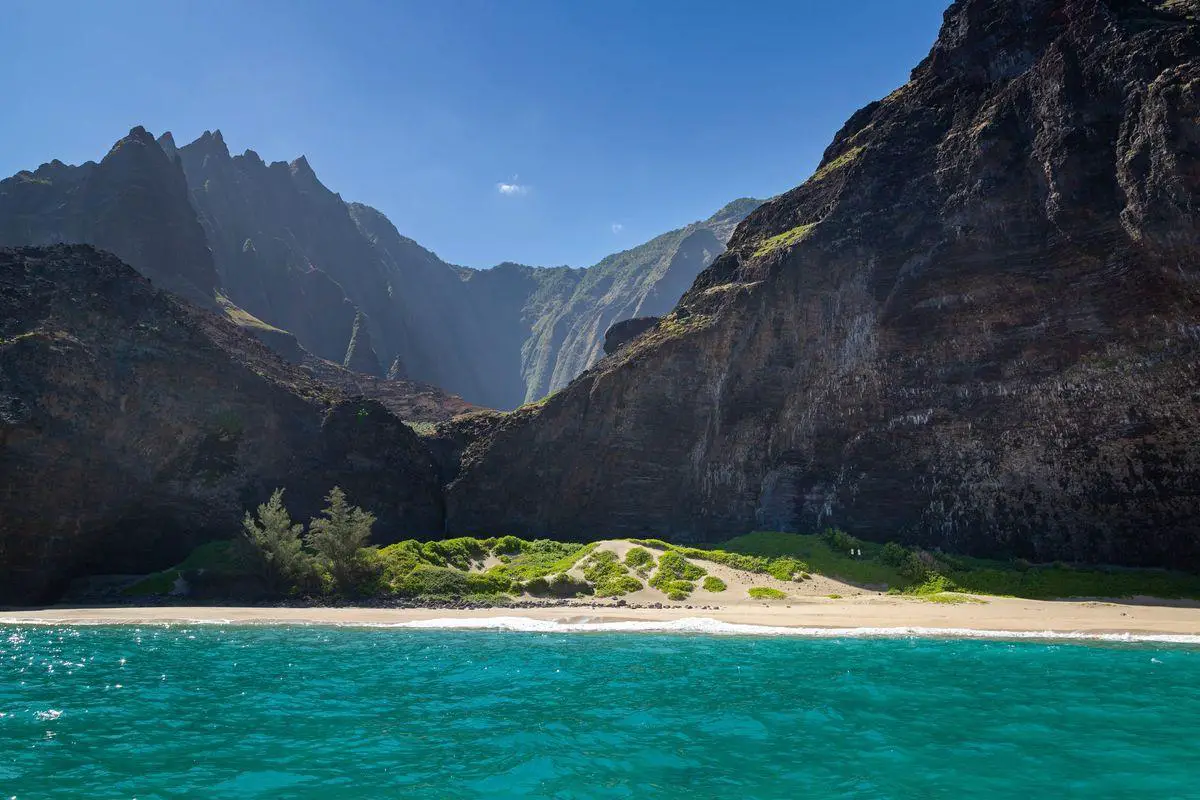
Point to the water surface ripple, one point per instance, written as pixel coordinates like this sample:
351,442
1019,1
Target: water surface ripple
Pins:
312,712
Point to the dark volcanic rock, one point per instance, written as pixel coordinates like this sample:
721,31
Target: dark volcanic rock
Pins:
360,355
624,332
975,327
134,426
134,203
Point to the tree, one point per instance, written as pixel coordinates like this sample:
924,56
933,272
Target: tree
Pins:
277,543
338,536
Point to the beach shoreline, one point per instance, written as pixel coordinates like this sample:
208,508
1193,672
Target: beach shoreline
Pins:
878,615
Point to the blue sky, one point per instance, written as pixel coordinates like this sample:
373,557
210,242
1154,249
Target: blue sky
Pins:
539,131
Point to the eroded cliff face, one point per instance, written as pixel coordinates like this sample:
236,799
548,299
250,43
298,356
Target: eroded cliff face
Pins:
134,426
975,327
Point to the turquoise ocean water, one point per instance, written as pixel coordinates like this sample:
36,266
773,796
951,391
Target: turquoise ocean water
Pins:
313,712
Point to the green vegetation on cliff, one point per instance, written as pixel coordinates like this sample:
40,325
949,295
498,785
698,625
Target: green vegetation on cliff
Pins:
785,239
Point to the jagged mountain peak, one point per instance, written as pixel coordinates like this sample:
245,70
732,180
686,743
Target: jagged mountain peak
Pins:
302,169
209,143
167,143
137,137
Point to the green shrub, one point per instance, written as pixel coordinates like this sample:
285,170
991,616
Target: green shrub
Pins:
714,584
507,546
677,590
765,593
675,574
491,582
563,585
672,565
935,584
399,559
429,581
640,559
609,577
656,544
785,569
462,552
894,555
617,586
537,587
834,596
840,541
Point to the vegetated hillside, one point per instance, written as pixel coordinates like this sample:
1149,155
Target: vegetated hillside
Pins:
975,327
646,280
134,426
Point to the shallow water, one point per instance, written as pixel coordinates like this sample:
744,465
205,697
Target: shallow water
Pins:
313,712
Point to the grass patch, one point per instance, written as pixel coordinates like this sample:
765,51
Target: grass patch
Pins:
911,571
766,593
824,554
785,239
834,596
221,559
949,598
714,584
677,590
844,160
423,429
243,318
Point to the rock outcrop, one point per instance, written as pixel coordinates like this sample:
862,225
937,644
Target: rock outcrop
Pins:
624,332
134,426
360,355
976,326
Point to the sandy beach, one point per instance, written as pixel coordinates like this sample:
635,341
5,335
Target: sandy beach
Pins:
1131,616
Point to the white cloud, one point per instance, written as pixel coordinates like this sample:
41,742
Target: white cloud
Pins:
617,227
512,188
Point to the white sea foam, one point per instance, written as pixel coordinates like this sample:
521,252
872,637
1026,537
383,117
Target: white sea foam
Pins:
686,625
706,625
